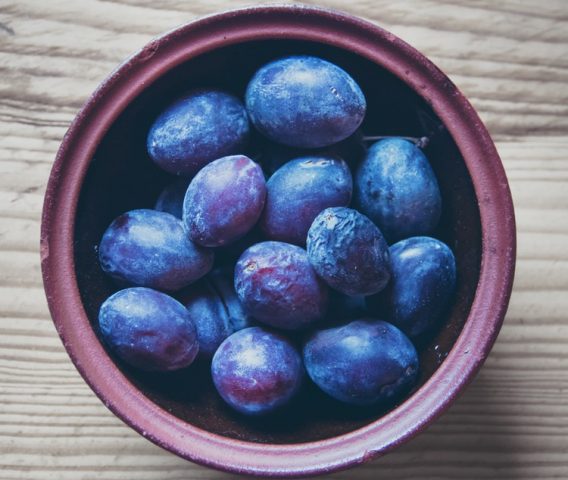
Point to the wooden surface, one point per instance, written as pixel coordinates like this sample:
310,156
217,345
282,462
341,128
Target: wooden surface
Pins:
509,57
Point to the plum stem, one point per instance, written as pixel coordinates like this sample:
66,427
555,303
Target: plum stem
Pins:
420,142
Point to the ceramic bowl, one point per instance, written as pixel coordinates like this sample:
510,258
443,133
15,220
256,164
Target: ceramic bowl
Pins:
102,169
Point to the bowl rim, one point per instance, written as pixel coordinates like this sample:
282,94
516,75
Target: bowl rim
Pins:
482,161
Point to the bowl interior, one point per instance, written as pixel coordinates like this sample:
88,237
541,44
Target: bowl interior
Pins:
121,177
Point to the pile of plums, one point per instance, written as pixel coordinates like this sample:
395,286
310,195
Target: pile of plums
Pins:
281,265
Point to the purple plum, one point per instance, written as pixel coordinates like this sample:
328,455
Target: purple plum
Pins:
277,286
224,201
257,371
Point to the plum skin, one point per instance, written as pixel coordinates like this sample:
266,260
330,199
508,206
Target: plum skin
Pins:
224,201
277,286
217,313
364,362
199,127
301,189
148,329
349,252
423,284
257,371
150,249
304,101
397,189
171,198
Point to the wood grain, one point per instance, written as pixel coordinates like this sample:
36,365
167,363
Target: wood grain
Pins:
509,57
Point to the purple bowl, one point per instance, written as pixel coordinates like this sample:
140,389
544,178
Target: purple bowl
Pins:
102,170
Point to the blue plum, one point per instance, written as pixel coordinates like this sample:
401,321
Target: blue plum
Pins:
196,129
150,249
304,101
277,286
148,329
213,306
224,201
257,371
396,188
209,315
349,252
364,362
171,197
301,189
423,283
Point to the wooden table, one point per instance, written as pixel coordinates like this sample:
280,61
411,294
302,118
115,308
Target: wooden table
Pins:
509,57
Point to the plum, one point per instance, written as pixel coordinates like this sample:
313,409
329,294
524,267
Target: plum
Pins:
171,198
217,313
349,252
396,188
364,362
222,280
150,249
304,101
224,201
301,189
423,283
148,329
256,371
277,286
199,127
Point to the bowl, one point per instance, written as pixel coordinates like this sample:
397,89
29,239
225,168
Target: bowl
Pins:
102,169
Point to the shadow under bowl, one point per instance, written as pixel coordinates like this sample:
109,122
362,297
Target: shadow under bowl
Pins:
102,170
